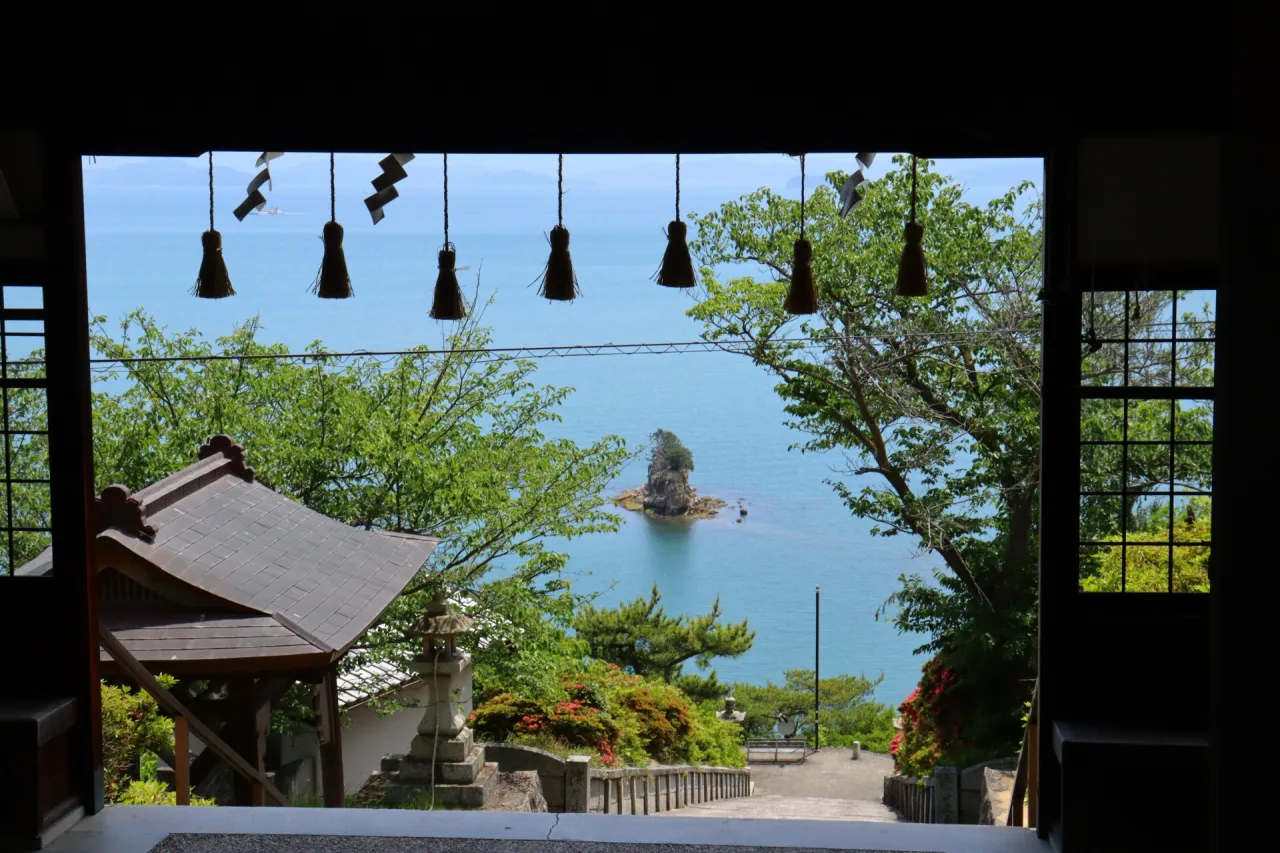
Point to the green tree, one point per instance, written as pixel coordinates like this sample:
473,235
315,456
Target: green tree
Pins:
1146,567
641,638
447,444
934,403
847,711
668,449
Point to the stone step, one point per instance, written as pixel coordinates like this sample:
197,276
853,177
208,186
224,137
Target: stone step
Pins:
791,808
450,772
472,796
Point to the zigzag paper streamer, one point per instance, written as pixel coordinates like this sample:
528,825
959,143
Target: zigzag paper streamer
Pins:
850,195
255,199
384,190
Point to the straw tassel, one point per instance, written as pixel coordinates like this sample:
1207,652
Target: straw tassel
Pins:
677,263
913,280
448,303
333,281
559,283
802,295
213,282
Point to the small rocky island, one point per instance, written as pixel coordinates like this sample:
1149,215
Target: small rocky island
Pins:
667,492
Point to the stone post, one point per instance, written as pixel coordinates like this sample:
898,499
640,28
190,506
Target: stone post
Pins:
857,750
946,795
577,784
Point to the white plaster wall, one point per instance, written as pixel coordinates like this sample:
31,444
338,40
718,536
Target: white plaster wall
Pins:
369,737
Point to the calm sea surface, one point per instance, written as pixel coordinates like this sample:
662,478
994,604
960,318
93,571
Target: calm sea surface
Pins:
144,250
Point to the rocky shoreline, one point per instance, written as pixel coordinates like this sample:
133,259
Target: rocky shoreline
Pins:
699,507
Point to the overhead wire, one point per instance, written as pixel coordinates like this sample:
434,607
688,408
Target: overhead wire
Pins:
583,350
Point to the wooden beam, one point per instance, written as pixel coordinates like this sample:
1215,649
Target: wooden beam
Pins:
181,761
174,708
331,748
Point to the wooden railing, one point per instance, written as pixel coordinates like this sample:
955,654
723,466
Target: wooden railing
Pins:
653,790
1026,782
913,798
779,749
183,719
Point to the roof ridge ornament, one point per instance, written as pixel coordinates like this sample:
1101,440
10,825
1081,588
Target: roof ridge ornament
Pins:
226,446
116,507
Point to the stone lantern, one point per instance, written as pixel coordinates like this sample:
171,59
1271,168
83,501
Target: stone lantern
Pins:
443,757
729,714
440,628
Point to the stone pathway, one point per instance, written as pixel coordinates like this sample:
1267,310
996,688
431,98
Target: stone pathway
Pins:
828,773
829,785
776,807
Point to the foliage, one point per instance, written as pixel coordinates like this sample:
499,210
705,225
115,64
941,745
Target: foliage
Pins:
639,637
153,793
671,451
1146,569
448,444
615,717
934,403
712,741
132,724
846,710
940,726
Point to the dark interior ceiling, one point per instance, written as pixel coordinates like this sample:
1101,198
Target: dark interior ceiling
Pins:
458,88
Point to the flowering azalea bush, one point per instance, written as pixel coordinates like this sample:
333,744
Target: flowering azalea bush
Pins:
617,718
933,719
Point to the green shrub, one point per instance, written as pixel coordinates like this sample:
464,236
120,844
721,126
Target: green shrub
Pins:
132,725
662,716
155,793
713,741
615,717
494,719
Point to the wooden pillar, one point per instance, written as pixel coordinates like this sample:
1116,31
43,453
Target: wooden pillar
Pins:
331,742
181,761
248,728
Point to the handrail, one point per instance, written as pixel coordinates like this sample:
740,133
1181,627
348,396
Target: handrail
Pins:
1026,781
172,706
663,788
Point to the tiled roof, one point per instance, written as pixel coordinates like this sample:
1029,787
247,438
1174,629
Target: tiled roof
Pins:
370,681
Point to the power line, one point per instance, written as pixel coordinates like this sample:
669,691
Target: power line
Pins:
563,350
739,345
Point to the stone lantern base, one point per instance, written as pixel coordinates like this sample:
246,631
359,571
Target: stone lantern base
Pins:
443,761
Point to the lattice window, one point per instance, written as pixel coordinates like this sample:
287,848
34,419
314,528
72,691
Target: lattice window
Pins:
25,502
1146,440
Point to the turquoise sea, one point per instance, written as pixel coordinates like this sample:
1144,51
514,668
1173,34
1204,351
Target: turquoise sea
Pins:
144,250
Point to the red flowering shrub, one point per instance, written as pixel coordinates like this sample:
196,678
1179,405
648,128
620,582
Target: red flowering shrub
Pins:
933,718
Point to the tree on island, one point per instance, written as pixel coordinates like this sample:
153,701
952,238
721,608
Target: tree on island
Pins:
670,451
935,402
641,638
